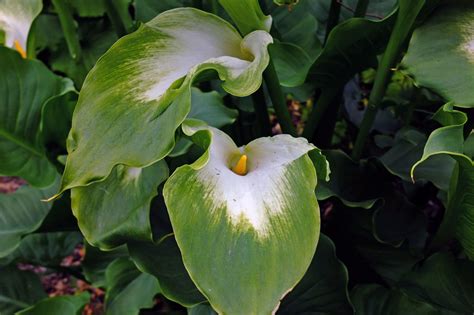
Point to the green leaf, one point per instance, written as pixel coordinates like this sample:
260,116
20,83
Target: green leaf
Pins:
323,289
46,249
373,299
209,107
349,181
16,18
407,150
444,282
352,46
111,212
59,305
25,88
449,141
247,15
201,309
262,228
96,262
163,260
22,212
128,290
441,53
107,131
291,62
18,289
298,27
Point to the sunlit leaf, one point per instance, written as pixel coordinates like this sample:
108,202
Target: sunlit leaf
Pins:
441,53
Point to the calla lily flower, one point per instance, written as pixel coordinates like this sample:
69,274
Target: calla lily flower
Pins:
16,17
254,208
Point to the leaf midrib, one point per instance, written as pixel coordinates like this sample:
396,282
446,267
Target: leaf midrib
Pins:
22,143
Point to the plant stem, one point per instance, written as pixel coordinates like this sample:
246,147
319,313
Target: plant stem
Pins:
361,8
278,99
333,17
264,127
320,107
399,34
214,7
69,28
322,138
119,17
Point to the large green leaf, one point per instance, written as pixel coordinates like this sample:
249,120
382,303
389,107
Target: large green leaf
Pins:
163,260
291,62
247,15
441,53
449,140
323,289
145,10
261,227
128,290
46,249
21,213
139,92
25,88
59,305
16,18
452,288
18,289
117,209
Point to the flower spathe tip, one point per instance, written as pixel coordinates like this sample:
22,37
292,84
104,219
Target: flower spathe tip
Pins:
241,167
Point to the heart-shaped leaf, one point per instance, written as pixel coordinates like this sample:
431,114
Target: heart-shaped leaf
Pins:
141,88
117,209
26,86
59,305
261,223
441,53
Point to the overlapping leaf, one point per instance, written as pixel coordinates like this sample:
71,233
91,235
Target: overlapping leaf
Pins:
25,89
449,140
141,89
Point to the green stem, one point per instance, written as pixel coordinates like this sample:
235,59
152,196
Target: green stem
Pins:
278,99
264,127
66,20
119,17
361,8
214,7
397,39
320,107
325,131
333,17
